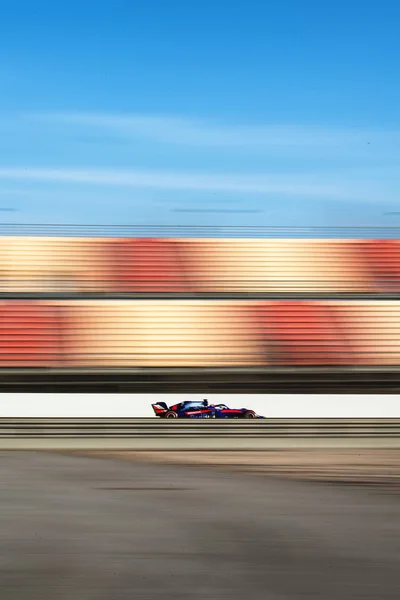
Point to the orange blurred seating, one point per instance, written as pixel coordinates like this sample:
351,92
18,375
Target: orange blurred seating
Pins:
30,334
383,260
34,264
304,333
156,333
287,265
37,265
183,333
373,331
148,265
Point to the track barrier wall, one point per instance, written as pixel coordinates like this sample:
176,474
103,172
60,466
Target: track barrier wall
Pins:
131,406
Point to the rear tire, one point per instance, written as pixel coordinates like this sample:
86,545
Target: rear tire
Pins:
171,415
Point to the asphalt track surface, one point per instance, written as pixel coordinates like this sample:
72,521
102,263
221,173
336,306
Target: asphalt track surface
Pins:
74,528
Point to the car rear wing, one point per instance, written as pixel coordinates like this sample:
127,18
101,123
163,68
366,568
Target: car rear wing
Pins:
160,408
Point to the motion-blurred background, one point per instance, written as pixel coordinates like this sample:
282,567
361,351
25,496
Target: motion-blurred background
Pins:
137,309
199,197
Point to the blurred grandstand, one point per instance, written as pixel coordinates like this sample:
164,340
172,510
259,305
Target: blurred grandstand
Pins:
191,309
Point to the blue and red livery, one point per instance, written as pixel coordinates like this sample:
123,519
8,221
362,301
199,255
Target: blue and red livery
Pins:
200,409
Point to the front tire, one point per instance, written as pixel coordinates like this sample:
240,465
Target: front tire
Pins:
250,414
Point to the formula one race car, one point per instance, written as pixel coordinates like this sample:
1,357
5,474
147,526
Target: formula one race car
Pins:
201,410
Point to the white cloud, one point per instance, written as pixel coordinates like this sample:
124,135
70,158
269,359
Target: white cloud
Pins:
283,184
197,132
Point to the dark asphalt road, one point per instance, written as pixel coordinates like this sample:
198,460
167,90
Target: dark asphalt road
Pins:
182,533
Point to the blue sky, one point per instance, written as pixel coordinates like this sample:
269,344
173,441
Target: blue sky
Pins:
251,113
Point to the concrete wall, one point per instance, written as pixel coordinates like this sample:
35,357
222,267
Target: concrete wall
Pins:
279,406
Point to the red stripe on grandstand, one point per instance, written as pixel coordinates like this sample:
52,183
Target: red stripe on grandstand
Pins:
148,265
304,333
29,335
383,260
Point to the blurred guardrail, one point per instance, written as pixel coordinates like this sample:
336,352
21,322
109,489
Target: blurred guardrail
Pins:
238,231
153,434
